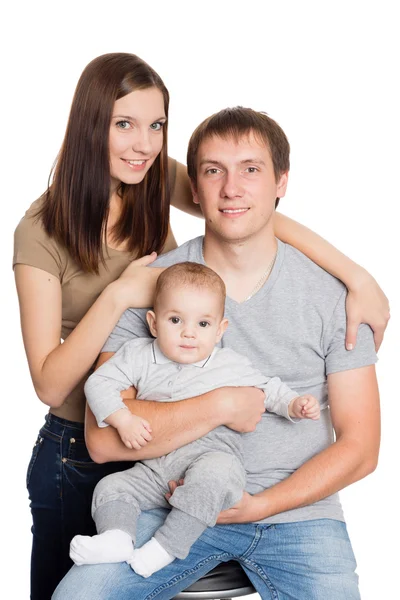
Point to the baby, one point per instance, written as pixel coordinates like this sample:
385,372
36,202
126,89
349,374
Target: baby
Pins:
182,362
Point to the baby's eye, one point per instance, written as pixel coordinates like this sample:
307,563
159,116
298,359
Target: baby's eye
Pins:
123,124
175,320
204,323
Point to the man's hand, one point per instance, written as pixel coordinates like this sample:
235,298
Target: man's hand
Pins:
242,407
248,510
304,407
134,431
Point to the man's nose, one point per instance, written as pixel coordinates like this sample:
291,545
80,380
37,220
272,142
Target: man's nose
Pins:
231,187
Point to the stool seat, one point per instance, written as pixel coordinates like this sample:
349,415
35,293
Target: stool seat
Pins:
227,580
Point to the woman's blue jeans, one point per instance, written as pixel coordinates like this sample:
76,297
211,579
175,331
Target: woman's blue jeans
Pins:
307,560
61,478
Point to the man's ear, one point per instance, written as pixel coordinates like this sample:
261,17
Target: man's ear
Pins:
282,184
152,322
221,329
194,192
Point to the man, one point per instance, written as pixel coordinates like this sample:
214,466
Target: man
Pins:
288,316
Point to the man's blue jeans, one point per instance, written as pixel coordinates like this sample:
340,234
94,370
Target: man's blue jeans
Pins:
307,560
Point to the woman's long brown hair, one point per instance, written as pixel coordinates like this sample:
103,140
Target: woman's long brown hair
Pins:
75,206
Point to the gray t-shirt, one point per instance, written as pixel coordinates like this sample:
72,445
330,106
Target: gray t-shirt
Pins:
293,328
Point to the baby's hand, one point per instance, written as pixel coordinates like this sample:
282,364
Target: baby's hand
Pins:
134,431
304,407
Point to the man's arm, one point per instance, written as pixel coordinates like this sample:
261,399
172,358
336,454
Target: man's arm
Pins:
175,424
354,404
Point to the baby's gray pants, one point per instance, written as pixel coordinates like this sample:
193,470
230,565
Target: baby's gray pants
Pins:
214,480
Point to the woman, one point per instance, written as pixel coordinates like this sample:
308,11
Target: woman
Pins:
108,204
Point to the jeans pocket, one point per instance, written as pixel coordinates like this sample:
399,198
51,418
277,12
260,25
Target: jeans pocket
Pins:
35,452
78,455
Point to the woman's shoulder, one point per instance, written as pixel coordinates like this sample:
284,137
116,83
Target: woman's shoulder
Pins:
33,246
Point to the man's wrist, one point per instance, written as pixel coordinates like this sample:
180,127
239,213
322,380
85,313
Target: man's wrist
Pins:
222,408
261,506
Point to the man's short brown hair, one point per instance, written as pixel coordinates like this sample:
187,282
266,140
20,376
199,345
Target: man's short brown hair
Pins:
237,122
190,274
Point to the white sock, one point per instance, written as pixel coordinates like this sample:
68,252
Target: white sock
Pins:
150,558
109,547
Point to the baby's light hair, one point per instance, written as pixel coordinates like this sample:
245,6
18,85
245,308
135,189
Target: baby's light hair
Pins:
190,274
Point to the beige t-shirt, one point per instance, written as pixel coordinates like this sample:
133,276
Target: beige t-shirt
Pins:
33,247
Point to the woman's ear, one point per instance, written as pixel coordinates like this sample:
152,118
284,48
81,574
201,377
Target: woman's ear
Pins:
152,322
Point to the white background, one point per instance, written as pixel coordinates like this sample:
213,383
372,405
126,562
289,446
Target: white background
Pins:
326,71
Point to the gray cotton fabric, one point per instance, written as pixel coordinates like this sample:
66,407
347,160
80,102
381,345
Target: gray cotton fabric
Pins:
293,328
212,466
214,481
141,363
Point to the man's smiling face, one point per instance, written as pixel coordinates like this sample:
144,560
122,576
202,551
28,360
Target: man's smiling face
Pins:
236,187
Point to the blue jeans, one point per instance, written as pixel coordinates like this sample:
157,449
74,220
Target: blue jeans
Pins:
306,560
61,478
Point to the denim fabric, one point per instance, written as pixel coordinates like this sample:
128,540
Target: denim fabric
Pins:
61,478
306,560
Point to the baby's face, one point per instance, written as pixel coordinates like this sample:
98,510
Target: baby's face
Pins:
188,323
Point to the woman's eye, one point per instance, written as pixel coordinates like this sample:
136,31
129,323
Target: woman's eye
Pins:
204,323
156,126
123,124
175,320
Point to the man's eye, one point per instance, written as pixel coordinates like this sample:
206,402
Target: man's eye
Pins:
157,126
252,170
212,171
204,323
175,320
123,124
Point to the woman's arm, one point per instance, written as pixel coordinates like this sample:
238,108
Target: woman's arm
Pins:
366,302
56,368
182,196
174,424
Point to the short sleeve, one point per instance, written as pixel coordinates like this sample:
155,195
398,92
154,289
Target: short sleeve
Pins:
337,358
33,247
132,324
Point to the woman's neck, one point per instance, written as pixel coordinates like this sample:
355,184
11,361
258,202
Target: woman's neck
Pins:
113,218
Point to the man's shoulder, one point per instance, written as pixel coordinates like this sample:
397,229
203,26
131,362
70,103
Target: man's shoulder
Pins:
307,273
226,354
139,344
190,250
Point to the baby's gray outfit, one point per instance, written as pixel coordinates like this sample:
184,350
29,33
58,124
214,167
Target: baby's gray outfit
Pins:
212,466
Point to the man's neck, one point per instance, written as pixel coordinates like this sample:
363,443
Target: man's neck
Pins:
240,263
240,256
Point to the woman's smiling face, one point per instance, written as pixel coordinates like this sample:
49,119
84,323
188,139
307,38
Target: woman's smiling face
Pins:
136,134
